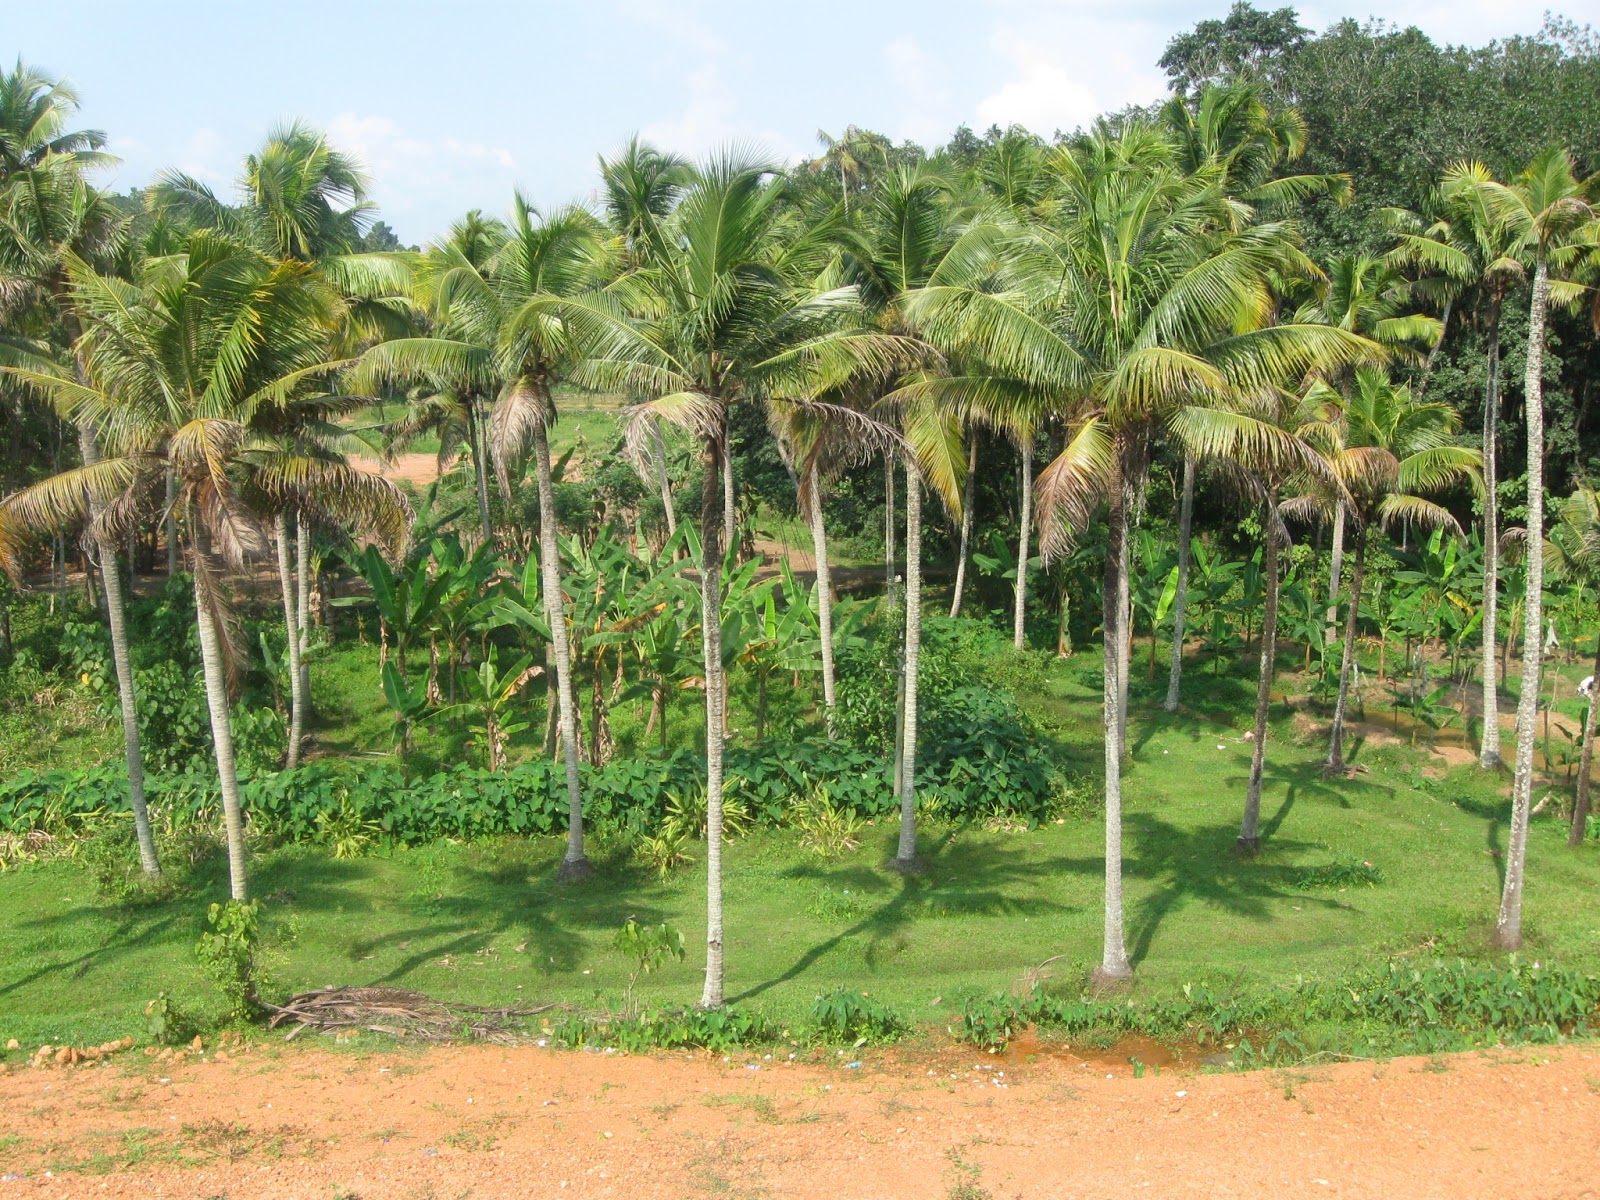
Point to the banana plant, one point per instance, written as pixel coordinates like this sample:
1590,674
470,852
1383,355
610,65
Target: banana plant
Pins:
492,704
409,703
1155,586
407,600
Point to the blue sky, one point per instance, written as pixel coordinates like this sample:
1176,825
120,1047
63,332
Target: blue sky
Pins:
452,105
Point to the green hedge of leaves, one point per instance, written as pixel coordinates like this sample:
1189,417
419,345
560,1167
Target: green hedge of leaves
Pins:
312,801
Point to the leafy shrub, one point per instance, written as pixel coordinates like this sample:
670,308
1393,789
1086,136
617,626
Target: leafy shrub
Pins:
663,851
719,1030
845,1016
229,953
1336,875
825,829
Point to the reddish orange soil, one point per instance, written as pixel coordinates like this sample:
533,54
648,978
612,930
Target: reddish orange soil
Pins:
282,1123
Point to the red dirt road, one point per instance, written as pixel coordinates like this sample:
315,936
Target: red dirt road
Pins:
479,1122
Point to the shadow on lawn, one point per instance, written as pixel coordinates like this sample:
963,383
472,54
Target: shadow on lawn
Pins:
959,878
1199,864
509,889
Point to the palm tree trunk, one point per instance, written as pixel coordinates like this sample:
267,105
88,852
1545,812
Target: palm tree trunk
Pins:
122,660
658,446
1019,617
1508,924
1581,806
292,638
575,863
819,546
302,606
216,683
711,639
1489,750
969,495
1250,828
1180,599
480,467
1336,741
905,859
1124,637
1335,572
172,525
1114,963
728,511
888,525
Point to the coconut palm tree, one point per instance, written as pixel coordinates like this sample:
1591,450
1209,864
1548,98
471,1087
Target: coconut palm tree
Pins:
1365,295
1231,131
1269,440
1136,298
302,200
724,311
1394,450
47,212
1551,211
174,366
1465,245
497,331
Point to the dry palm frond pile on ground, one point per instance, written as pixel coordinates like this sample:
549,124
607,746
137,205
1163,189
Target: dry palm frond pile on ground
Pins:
401,1014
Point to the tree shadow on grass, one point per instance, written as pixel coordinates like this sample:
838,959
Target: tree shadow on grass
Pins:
1189,864
958,879
510,891
130,935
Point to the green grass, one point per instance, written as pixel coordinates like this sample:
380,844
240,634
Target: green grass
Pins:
486,923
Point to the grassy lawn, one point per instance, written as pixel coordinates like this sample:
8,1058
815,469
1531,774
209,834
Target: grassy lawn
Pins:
485,923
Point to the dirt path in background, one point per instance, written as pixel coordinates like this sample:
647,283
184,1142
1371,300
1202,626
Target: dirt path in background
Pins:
280,1123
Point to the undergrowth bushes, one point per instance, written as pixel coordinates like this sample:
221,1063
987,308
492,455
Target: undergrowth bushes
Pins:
348,805
1397,1008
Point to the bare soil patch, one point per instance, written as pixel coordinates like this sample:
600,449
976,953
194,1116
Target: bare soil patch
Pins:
488,1121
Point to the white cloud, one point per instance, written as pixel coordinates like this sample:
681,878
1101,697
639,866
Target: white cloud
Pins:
1070,61
412,175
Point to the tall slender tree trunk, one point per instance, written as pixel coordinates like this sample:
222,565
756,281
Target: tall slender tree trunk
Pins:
1489,750
172,525
575,863
819,547
1336,740
1125,635
1180,599
1335,574
1581,806
1019,617
122,662
302,609
729,529
905,859
1114,963
1508,924
128,696
1250,828
291,629
480,467
968,497
888,525
211,655
711,639
658,446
